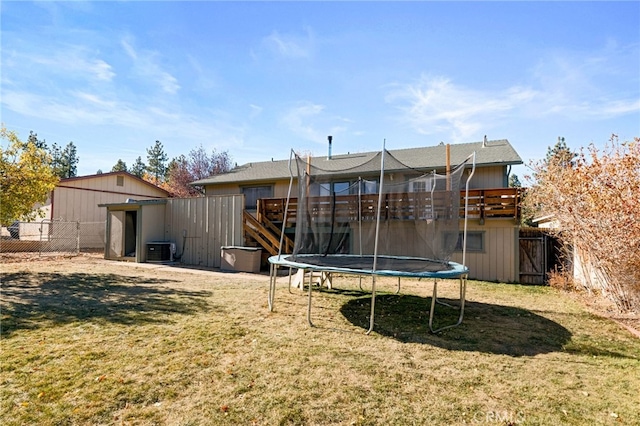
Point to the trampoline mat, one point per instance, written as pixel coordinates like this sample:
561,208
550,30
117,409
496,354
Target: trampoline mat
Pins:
402,265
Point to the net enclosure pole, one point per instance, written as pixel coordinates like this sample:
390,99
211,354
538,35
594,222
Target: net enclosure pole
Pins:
273,270
464,276
377,235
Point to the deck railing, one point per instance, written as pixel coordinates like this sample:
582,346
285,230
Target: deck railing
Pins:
495,203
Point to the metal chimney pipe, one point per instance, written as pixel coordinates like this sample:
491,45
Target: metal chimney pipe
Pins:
484,141
330,140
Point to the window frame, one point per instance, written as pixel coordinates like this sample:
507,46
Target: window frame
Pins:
471,234
256,195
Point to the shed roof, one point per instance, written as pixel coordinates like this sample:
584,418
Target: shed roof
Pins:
133,204
492,153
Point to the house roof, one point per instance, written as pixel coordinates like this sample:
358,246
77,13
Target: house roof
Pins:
491,153
118,173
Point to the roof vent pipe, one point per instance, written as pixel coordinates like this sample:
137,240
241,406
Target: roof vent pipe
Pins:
330,140
484,141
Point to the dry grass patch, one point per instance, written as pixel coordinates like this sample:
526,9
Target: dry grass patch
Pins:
85,341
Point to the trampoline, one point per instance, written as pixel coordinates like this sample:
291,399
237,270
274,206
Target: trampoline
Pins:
380,217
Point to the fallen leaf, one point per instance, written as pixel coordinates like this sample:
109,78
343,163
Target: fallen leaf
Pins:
40,395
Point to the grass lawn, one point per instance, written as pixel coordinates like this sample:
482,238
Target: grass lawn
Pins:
86,341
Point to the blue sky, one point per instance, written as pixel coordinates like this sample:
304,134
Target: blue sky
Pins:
258,79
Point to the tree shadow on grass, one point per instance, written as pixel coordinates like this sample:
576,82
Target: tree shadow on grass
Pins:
486,328
34,300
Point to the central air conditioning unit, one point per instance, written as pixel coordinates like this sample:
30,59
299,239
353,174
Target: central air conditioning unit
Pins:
160,251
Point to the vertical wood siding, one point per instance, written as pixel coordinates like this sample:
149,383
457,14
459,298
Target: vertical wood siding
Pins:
499,259
78,200
209,222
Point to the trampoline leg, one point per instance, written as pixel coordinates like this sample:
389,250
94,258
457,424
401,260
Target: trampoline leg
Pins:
290,269
434,296
373,304
309,306
325,277
273,269
463,292
398,290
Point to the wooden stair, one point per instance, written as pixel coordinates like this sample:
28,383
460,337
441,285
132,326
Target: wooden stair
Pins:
265,233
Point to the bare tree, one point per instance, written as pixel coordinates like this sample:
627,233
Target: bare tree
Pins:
595,198
197,165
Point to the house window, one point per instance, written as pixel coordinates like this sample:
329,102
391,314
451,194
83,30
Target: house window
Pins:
475,241
120,180
369,186
327,188
418,186
253,193
341,188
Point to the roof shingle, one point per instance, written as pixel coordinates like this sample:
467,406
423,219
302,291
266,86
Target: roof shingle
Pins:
493,153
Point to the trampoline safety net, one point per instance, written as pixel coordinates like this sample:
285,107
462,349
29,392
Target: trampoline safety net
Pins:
377,215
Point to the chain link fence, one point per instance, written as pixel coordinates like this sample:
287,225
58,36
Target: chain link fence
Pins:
48,237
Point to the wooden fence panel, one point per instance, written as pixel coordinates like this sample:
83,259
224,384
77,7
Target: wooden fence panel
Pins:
201,226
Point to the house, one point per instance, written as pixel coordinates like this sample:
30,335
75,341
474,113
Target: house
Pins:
76,199
493,228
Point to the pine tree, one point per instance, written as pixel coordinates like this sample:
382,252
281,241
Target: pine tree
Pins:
514,181
33,138
157,160
70,160
64,161
139,168
560,154
120,166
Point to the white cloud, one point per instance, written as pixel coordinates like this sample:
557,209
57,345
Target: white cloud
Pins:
102,70
84,109
68,61
599,84
297,120
255,110
206,78
129,50
289,45
619,107
563,85
81,108
146,66
310,122
435,104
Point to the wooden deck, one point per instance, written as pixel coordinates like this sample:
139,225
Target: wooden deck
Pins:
498,203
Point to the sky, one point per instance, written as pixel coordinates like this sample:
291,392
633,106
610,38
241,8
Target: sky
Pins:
258,79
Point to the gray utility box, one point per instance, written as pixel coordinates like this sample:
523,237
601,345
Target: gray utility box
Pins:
240,259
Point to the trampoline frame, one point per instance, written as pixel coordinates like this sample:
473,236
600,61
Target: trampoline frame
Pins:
459,270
